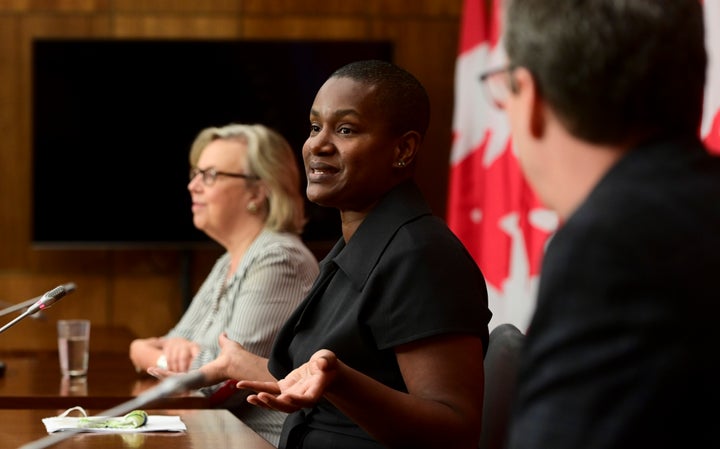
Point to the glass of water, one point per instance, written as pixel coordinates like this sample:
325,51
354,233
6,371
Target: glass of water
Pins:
73,347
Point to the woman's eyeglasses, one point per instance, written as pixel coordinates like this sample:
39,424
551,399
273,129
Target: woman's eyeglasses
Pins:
209,175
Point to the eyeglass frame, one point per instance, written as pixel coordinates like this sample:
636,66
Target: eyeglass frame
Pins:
484,77
209,175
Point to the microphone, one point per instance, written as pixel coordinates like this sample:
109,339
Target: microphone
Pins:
168,386
45,301
48,299
69,287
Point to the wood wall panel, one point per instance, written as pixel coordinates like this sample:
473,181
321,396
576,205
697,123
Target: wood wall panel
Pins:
87,301
13,173
311,8
428,8
169,26
71,262
177,6
409,9
146,305
17,287
143,291
300,27
35,6
62,25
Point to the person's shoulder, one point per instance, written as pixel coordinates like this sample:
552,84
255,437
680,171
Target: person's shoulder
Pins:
429,236
283,244
430,229
270,237
281,240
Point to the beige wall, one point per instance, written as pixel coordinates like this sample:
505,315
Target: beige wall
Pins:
142,289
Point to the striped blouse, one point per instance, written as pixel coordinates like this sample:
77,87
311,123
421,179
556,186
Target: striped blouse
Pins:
272,278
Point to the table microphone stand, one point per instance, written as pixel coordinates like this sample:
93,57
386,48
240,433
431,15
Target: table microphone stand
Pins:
35,305
10,309
18,306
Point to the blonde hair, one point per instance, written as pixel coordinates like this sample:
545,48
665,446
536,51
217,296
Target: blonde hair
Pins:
203,138
270,158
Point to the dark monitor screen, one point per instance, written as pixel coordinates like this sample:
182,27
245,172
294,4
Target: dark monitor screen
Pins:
113,121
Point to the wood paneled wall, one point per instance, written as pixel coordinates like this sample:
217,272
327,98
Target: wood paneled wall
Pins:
143,289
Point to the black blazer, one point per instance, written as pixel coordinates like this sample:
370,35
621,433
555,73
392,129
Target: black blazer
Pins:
620,350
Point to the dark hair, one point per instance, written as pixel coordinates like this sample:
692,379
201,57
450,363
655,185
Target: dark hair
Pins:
613,69
402,96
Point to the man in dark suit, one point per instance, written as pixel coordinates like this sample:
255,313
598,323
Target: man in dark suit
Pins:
604,99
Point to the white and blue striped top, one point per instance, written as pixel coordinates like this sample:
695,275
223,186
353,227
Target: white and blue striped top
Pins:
273,277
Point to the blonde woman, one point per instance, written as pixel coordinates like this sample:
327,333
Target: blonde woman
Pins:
245,189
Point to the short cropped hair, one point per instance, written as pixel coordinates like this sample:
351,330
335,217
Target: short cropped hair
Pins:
269,157
613,69
403,98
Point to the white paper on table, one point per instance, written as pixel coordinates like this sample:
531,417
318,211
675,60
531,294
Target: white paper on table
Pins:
155,423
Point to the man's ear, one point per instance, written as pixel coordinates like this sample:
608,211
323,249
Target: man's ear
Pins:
532,101
406,148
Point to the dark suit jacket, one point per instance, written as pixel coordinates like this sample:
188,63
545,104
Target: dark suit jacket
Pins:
622,347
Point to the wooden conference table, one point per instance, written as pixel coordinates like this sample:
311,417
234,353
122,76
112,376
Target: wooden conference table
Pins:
205,429
32,380
32,388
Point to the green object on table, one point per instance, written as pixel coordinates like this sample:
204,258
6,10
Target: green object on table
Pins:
133,420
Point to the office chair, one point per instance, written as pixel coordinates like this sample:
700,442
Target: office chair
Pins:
501,365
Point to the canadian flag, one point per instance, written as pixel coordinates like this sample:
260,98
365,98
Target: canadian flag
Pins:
490,206
710,128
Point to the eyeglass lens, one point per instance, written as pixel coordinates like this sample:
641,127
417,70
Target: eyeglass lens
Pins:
208,175
496,85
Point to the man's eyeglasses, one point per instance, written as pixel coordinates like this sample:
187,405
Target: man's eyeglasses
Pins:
498,84
209,175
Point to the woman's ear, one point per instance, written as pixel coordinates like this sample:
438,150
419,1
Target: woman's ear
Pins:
406,149
259,193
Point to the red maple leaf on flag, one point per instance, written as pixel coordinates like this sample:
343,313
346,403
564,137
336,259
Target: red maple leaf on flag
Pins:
491,208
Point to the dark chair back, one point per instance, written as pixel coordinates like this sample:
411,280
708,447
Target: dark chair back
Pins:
501,365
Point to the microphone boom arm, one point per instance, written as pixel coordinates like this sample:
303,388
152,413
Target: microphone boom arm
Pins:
45,301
